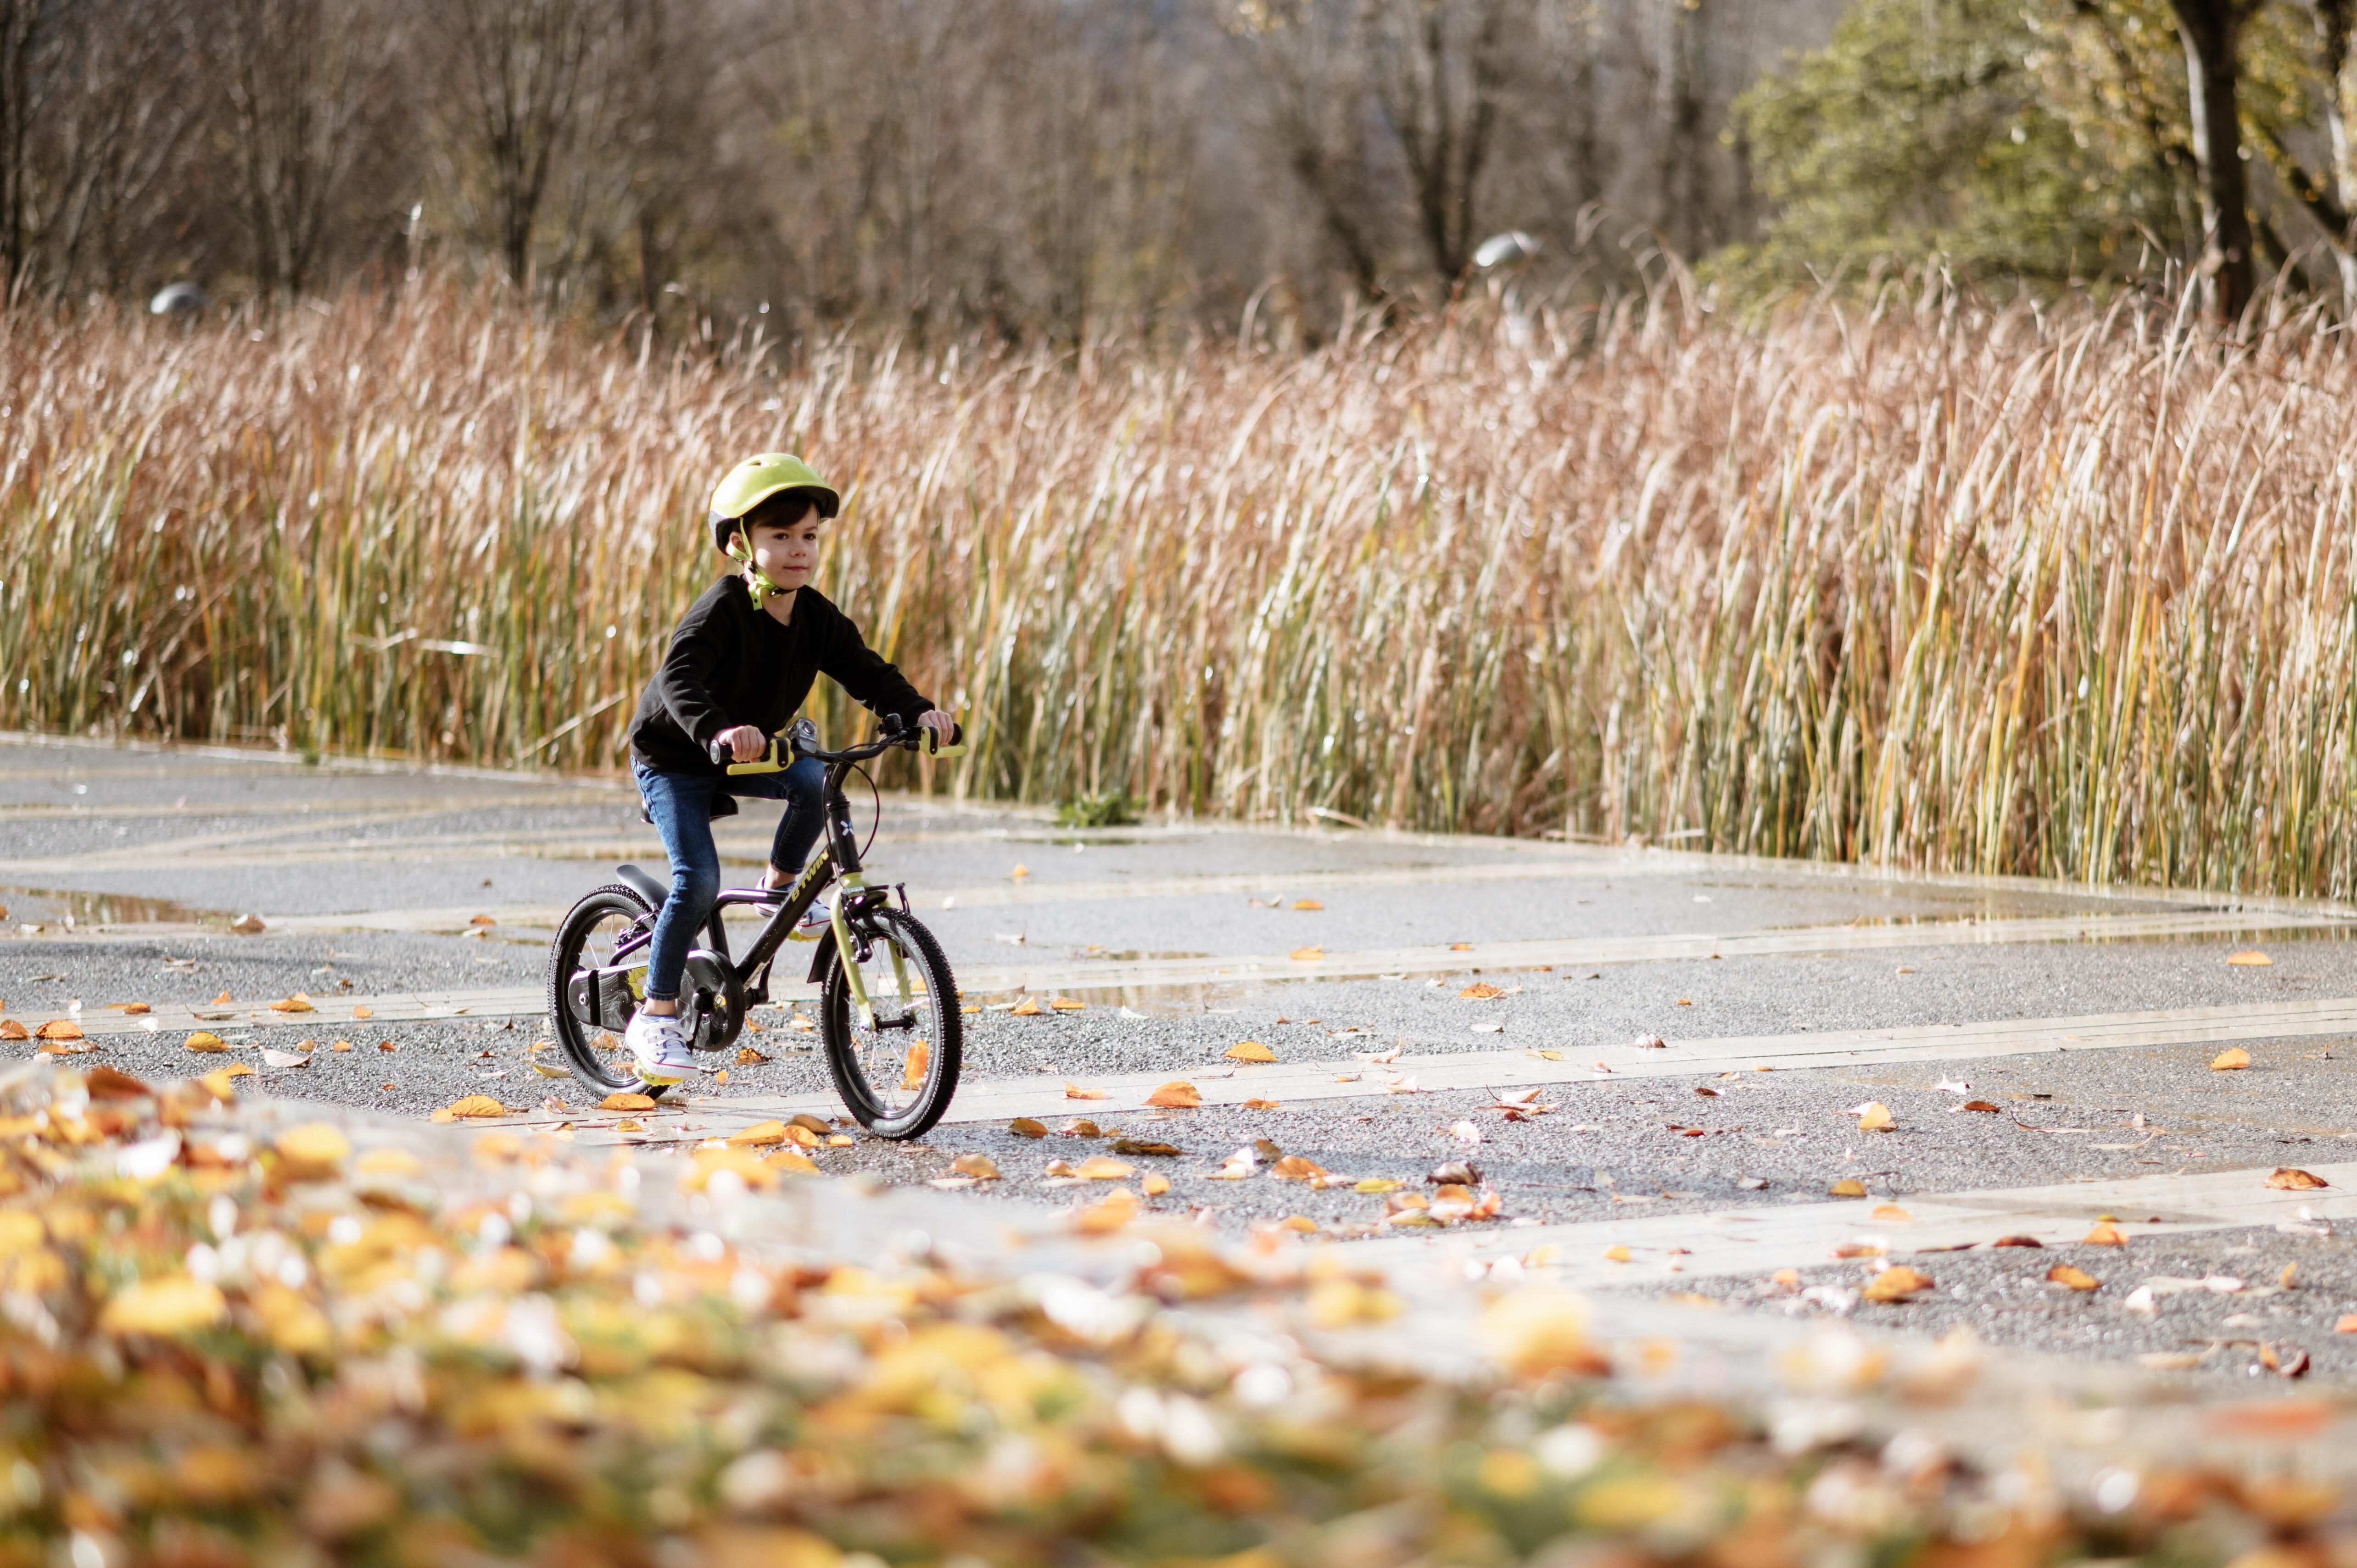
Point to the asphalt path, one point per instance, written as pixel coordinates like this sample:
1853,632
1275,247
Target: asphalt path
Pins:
2088,1017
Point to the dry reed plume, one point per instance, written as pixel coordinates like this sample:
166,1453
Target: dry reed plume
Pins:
2064,593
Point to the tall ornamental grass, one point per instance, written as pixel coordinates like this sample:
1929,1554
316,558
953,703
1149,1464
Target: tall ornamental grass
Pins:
2064,591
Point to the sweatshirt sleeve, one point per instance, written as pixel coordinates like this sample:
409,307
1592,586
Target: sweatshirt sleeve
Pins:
684,683
871,678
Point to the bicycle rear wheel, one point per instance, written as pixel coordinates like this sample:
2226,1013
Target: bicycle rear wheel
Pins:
897,1072
588,1003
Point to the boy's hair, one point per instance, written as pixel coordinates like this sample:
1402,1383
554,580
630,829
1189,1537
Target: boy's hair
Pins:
781,511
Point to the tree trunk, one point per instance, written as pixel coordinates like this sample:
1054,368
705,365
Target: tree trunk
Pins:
2209,31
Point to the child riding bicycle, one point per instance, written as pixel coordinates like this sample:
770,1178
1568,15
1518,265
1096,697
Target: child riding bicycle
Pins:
741,661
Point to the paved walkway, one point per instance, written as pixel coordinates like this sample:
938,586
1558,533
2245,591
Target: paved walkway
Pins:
404,914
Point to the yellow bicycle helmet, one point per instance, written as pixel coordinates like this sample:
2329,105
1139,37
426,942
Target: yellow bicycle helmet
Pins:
747,486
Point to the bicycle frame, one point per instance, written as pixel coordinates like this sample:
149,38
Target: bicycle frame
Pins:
838,862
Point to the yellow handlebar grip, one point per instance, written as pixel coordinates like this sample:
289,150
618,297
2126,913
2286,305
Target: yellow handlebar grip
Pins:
766,763
960,749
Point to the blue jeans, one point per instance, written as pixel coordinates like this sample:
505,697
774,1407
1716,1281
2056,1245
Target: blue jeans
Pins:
681,804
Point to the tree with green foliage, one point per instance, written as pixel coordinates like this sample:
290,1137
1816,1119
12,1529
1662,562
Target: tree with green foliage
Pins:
2059,141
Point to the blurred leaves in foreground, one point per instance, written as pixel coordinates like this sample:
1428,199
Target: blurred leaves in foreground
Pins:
228,1339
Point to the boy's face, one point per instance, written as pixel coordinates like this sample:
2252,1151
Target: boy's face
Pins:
786,553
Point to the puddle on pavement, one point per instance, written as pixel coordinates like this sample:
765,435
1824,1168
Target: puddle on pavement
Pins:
36,904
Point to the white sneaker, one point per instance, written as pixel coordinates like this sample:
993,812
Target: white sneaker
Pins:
815,920
661,1046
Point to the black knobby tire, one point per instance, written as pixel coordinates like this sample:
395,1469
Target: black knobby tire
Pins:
597,914
871,1068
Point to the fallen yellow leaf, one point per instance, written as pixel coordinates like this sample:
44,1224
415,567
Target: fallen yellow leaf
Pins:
2077,1279
130,1008
1479,991
484,1105
1256,1104
1027,1009
2229,1061
205,1040
1293,1167
1460,946
623,1101
1616,1254
1249,1051
1848,1186
1118,1209
1068,1004
363,1011
1176,1095
1019,873
2103,1236
1156,1184
1308,904
174,1305
1893,1213
2287,1178
1025,1127
1307,955
2252,956
1377,1184
980,1166
760,1136
913,1071
1104,1167
298,1003
316,1144
1074,1091
1875,1117
794,1160
1896,1284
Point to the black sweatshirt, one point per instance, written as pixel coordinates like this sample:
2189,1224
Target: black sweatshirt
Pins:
731,665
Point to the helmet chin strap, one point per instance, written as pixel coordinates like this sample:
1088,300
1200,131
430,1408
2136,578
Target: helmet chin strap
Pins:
756,582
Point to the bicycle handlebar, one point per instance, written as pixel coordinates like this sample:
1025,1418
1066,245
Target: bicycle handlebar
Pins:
919,739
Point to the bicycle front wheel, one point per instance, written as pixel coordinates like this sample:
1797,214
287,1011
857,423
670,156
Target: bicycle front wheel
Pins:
897,1066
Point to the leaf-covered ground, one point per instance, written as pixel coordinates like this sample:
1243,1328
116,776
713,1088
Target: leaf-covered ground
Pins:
226,1337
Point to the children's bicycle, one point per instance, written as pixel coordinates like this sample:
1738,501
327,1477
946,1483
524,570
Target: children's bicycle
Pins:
887,1004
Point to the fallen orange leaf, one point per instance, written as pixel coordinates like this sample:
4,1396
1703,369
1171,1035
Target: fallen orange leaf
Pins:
2103,1236
2289,1179
298,1003
1156,1184
59,1029
2077,1279
363,1011
12,1030
1103,1168
1176,1095
2231,1061
1479,991
1307,955
2250,956
1027,1009
1875,1117
1848,1186
1258,1104
1308,904
1074,1091
1249,1051
1025,1127
1293,1167
619,1102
